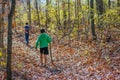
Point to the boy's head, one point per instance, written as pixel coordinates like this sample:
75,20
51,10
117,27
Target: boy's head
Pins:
26,23
42,30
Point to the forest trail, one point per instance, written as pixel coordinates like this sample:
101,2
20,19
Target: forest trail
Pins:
81,63
26,61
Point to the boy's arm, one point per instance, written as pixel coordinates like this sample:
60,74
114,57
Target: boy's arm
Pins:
37,42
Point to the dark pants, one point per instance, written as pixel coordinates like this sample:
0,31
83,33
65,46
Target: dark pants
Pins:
27,38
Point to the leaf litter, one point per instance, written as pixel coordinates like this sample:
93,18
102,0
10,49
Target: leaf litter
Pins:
81,62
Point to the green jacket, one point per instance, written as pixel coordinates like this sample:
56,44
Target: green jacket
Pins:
43,40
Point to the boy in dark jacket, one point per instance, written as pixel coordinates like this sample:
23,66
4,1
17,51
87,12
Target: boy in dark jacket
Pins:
27,28
42,42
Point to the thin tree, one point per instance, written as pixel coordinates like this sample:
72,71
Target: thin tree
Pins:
100,9
69,13
46,22
64,17
92,19
109,4
9,42
75,4
58,13
69,21
1,46
37,12
29,13
2,23
88,20
118,3
78,16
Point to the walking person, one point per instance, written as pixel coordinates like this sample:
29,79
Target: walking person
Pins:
27,29
42,42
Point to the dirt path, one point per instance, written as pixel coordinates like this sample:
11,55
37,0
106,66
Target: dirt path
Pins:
71,64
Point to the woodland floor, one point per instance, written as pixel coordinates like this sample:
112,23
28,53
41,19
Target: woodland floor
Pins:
82,61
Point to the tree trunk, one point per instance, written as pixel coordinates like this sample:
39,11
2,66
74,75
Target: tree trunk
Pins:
37,12
88,20
69,22
109,4
92,19
78,17
64,17
2,25
118,3
75,8
9,44
29,13
100,8
1,46
46,23
68,12
59,12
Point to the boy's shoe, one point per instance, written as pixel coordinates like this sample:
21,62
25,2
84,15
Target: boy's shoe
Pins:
27,44
43,65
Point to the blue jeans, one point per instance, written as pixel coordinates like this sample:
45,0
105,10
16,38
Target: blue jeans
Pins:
27,38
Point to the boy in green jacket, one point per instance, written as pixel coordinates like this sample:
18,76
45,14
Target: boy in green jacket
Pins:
42,41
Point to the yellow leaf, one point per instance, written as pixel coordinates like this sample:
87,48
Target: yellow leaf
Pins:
19,65
0,54
3,63
102,44
86,52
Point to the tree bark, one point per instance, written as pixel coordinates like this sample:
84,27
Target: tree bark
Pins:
2,25
118,3
109,4
64,17
58,14
29,13
100,8
9,42
47,17
78,17
1,46
69,21
92,19
37,12
75,8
